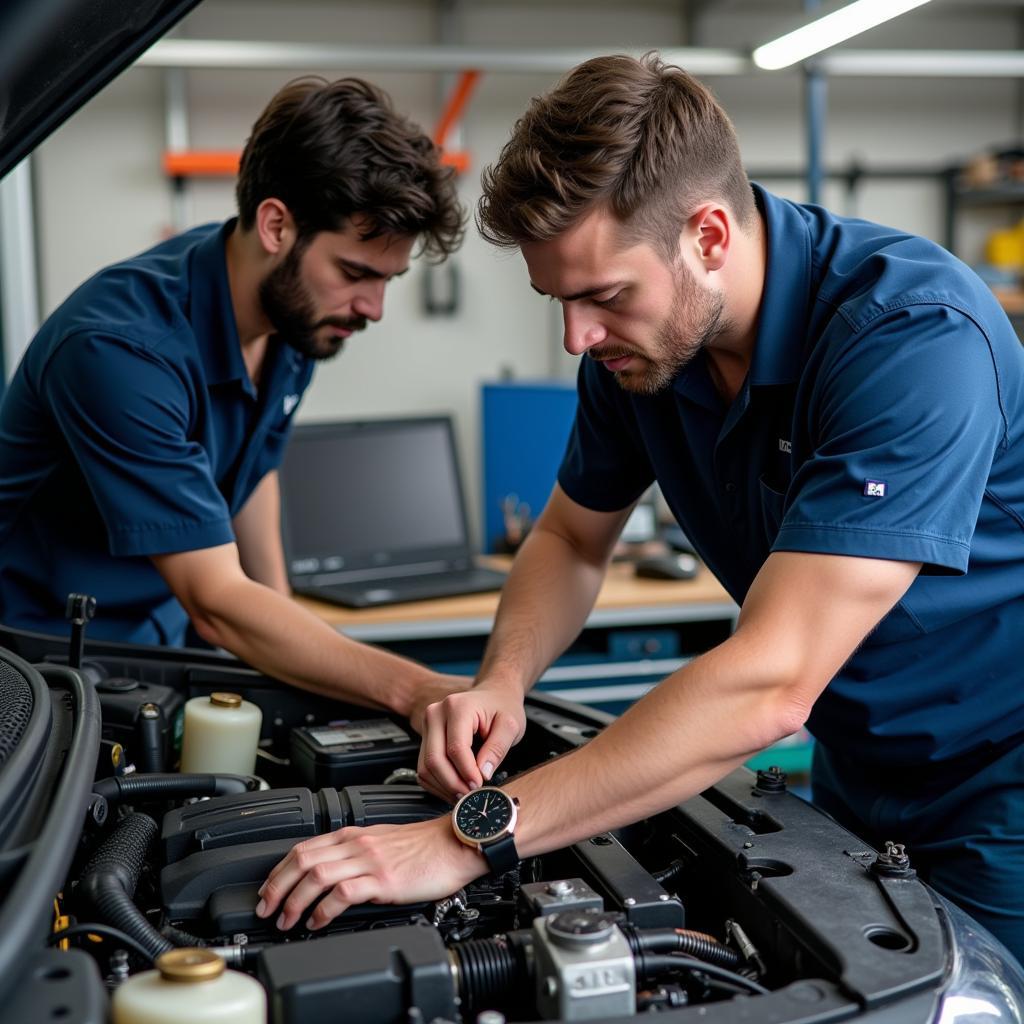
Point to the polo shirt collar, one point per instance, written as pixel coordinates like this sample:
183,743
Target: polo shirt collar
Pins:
786,302
785,307
211,312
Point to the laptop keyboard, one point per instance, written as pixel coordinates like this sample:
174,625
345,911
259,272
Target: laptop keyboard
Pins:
394,590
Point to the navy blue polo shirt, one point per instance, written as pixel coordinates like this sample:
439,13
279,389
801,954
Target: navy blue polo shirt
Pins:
130,429
881,418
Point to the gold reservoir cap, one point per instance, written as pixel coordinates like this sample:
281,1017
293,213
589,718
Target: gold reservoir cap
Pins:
226,700
189,965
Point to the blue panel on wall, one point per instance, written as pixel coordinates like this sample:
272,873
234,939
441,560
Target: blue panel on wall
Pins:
526,425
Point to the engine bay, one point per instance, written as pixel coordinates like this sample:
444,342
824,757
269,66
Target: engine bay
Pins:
743,903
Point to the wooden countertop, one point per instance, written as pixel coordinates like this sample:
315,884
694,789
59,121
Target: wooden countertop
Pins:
622,592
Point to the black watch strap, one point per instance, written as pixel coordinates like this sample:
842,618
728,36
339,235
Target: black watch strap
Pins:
502,855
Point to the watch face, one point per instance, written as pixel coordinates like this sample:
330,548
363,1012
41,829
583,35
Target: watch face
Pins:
484,814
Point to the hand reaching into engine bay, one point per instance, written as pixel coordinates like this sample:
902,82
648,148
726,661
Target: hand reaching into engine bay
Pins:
447,765
378,864
436,687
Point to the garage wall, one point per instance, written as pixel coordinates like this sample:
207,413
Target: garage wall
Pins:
101,195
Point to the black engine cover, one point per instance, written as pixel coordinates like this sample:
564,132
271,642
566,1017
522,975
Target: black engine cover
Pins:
295,813
375,977
218,852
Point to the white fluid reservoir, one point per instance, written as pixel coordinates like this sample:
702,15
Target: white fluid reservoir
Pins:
190,986
222,732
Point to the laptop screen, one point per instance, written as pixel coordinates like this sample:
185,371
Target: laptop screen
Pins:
370,494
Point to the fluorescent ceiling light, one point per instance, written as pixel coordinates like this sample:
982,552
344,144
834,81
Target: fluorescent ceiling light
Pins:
833,28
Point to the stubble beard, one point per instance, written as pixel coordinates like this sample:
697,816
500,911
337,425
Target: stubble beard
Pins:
695,319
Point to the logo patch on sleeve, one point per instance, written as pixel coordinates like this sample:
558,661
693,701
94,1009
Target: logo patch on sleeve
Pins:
874,488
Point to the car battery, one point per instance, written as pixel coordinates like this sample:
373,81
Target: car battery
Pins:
352,752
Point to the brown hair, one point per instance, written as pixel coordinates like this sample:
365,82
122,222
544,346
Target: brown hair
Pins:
329,150
642,136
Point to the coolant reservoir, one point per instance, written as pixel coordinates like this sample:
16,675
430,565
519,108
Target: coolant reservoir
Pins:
193,986
221,734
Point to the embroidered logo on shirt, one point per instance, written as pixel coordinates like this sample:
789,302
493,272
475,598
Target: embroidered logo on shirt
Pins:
785,446
290,401
874,488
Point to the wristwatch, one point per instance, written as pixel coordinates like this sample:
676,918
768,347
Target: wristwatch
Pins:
486,818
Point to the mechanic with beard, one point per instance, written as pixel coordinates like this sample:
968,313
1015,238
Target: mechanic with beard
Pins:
833,411
141,434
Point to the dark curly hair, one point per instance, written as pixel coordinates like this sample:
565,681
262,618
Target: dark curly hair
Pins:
329,150
642,136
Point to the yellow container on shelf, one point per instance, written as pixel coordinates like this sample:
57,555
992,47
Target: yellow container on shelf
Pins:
1005,249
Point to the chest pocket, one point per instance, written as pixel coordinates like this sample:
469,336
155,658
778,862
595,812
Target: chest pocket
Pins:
772,507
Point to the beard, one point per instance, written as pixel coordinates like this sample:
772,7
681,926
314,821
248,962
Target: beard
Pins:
695,319
290,308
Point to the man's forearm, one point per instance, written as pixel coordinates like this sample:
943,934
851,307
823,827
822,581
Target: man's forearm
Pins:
548,574
258,535
803,617
683,736
282,639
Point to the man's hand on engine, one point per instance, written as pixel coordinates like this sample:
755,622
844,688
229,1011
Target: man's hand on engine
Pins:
435,687
379,864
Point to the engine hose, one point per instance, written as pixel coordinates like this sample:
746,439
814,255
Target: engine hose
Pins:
181,938
650,965
679,940
109,881
669,874
163,786
490,971
708,950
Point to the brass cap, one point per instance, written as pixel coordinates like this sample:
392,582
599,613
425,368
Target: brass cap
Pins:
189,965
226,700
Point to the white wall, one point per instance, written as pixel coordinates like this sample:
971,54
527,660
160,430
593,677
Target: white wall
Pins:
101,194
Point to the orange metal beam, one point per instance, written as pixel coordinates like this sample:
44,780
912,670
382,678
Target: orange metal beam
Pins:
456,105
201,163
216,164
195,163
459,159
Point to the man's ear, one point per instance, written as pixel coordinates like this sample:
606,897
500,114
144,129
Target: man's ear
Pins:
709,230
275,227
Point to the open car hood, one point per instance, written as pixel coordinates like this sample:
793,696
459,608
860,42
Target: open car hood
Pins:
57,54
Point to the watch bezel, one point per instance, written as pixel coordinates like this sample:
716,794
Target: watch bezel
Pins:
508,829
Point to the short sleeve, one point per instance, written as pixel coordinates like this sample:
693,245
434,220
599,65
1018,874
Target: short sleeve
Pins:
125,414
906,421
605,467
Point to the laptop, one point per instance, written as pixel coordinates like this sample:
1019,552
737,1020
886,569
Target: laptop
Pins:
373,513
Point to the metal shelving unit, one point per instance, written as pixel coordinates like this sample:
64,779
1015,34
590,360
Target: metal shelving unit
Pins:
1007,194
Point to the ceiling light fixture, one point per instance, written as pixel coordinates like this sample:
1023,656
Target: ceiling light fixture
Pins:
833,28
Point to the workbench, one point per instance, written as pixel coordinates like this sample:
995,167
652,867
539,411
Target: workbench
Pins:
639,631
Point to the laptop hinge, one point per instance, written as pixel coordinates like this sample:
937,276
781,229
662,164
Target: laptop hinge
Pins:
321,579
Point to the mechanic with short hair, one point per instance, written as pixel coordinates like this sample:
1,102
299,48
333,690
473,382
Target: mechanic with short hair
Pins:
833,411
141,434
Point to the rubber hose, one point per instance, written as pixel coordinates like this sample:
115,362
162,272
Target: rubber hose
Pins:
109,881
649,965
113,905
181,938
710,951
677,940
669,874
161,786
487,971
